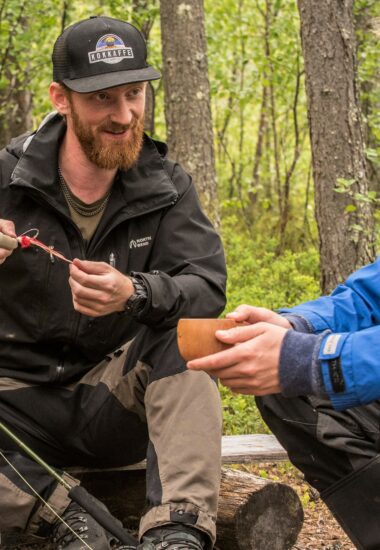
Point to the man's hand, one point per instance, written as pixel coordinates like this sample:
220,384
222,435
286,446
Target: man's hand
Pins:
98,288
251,366
8,228
251,314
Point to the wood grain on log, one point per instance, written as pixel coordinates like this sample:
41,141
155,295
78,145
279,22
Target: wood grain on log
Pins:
256,514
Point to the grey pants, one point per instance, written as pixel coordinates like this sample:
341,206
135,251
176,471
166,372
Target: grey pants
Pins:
325,444
138,402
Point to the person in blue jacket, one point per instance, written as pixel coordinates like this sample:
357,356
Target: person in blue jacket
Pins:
315,372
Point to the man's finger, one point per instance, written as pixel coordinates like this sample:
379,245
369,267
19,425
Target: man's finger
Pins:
241,333
220,360
8,228
92,268
86,279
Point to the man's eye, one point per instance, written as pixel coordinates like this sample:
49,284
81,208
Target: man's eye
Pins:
102,96
135,92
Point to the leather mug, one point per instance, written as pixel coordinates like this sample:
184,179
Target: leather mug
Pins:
196,337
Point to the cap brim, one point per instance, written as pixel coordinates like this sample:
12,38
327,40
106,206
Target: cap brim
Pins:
110,80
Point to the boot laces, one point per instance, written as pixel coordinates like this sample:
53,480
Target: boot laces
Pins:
178,544
78,523
171,539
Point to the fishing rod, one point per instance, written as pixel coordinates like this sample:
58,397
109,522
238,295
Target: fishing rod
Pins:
79,495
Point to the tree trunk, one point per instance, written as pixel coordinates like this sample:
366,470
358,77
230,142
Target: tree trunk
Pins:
345,220
15,99
187,96
143,19
15,112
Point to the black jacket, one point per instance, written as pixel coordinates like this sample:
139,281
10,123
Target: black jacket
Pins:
153,225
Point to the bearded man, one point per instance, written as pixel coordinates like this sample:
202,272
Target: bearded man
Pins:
90,372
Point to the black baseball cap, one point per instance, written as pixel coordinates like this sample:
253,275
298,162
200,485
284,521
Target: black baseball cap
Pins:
99,53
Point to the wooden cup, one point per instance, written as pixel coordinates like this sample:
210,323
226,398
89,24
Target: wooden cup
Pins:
196,337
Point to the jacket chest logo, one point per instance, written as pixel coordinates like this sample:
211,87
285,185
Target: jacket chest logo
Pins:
139,243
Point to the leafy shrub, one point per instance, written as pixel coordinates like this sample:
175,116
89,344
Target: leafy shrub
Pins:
257,276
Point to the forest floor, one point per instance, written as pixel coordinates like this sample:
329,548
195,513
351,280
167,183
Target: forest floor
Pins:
320,530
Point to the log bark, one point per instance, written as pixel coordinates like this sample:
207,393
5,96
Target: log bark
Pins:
253,514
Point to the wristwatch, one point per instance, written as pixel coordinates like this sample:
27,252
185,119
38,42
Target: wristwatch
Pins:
137,301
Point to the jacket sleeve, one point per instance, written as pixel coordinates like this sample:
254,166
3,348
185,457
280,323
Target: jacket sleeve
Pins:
348,349
354,305
188,274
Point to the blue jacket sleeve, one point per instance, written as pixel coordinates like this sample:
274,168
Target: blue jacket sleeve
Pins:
354,305
349,346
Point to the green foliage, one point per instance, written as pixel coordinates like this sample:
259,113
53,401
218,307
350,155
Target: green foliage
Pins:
240,414
257,276
367,13
260,55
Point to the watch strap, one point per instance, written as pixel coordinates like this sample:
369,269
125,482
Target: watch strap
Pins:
137,301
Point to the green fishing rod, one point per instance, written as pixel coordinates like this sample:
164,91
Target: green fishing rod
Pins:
79,495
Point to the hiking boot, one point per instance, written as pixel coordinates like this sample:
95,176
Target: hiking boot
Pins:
173,537
85,532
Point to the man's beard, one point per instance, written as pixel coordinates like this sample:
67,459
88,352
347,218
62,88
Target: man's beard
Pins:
114,154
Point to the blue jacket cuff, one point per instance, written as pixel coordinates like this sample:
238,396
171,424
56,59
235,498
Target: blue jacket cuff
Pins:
299,323
335,351
300,370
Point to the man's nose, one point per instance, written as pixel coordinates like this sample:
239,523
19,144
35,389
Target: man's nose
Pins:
122,112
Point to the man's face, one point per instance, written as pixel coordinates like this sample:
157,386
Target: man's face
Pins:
109,124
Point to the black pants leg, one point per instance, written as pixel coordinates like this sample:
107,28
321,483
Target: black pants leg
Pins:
337,452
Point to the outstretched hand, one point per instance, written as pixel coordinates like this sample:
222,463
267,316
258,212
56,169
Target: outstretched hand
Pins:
98,288
251,366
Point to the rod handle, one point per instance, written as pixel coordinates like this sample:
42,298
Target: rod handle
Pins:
9,243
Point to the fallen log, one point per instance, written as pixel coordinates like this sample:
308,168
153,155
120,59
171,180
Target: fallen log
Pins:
254,513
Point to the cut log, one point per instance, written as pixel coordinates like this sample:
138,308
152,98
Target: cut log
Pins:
254,513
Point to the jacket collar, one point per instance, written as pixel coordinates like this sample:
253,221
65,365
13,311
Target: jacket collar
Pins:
145,186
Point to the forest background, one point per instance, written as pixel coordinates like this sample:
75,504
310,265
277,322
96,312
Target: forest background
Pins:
236,112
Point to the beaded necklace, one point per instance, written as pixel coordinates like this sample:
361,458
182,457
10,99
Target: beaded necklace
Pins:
80,207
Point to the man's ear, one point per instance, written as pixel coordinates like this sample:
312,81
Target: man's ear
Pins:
59,98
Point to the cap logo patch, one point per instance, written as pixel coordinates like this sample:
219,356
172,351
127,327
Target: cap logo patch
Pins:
110,49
